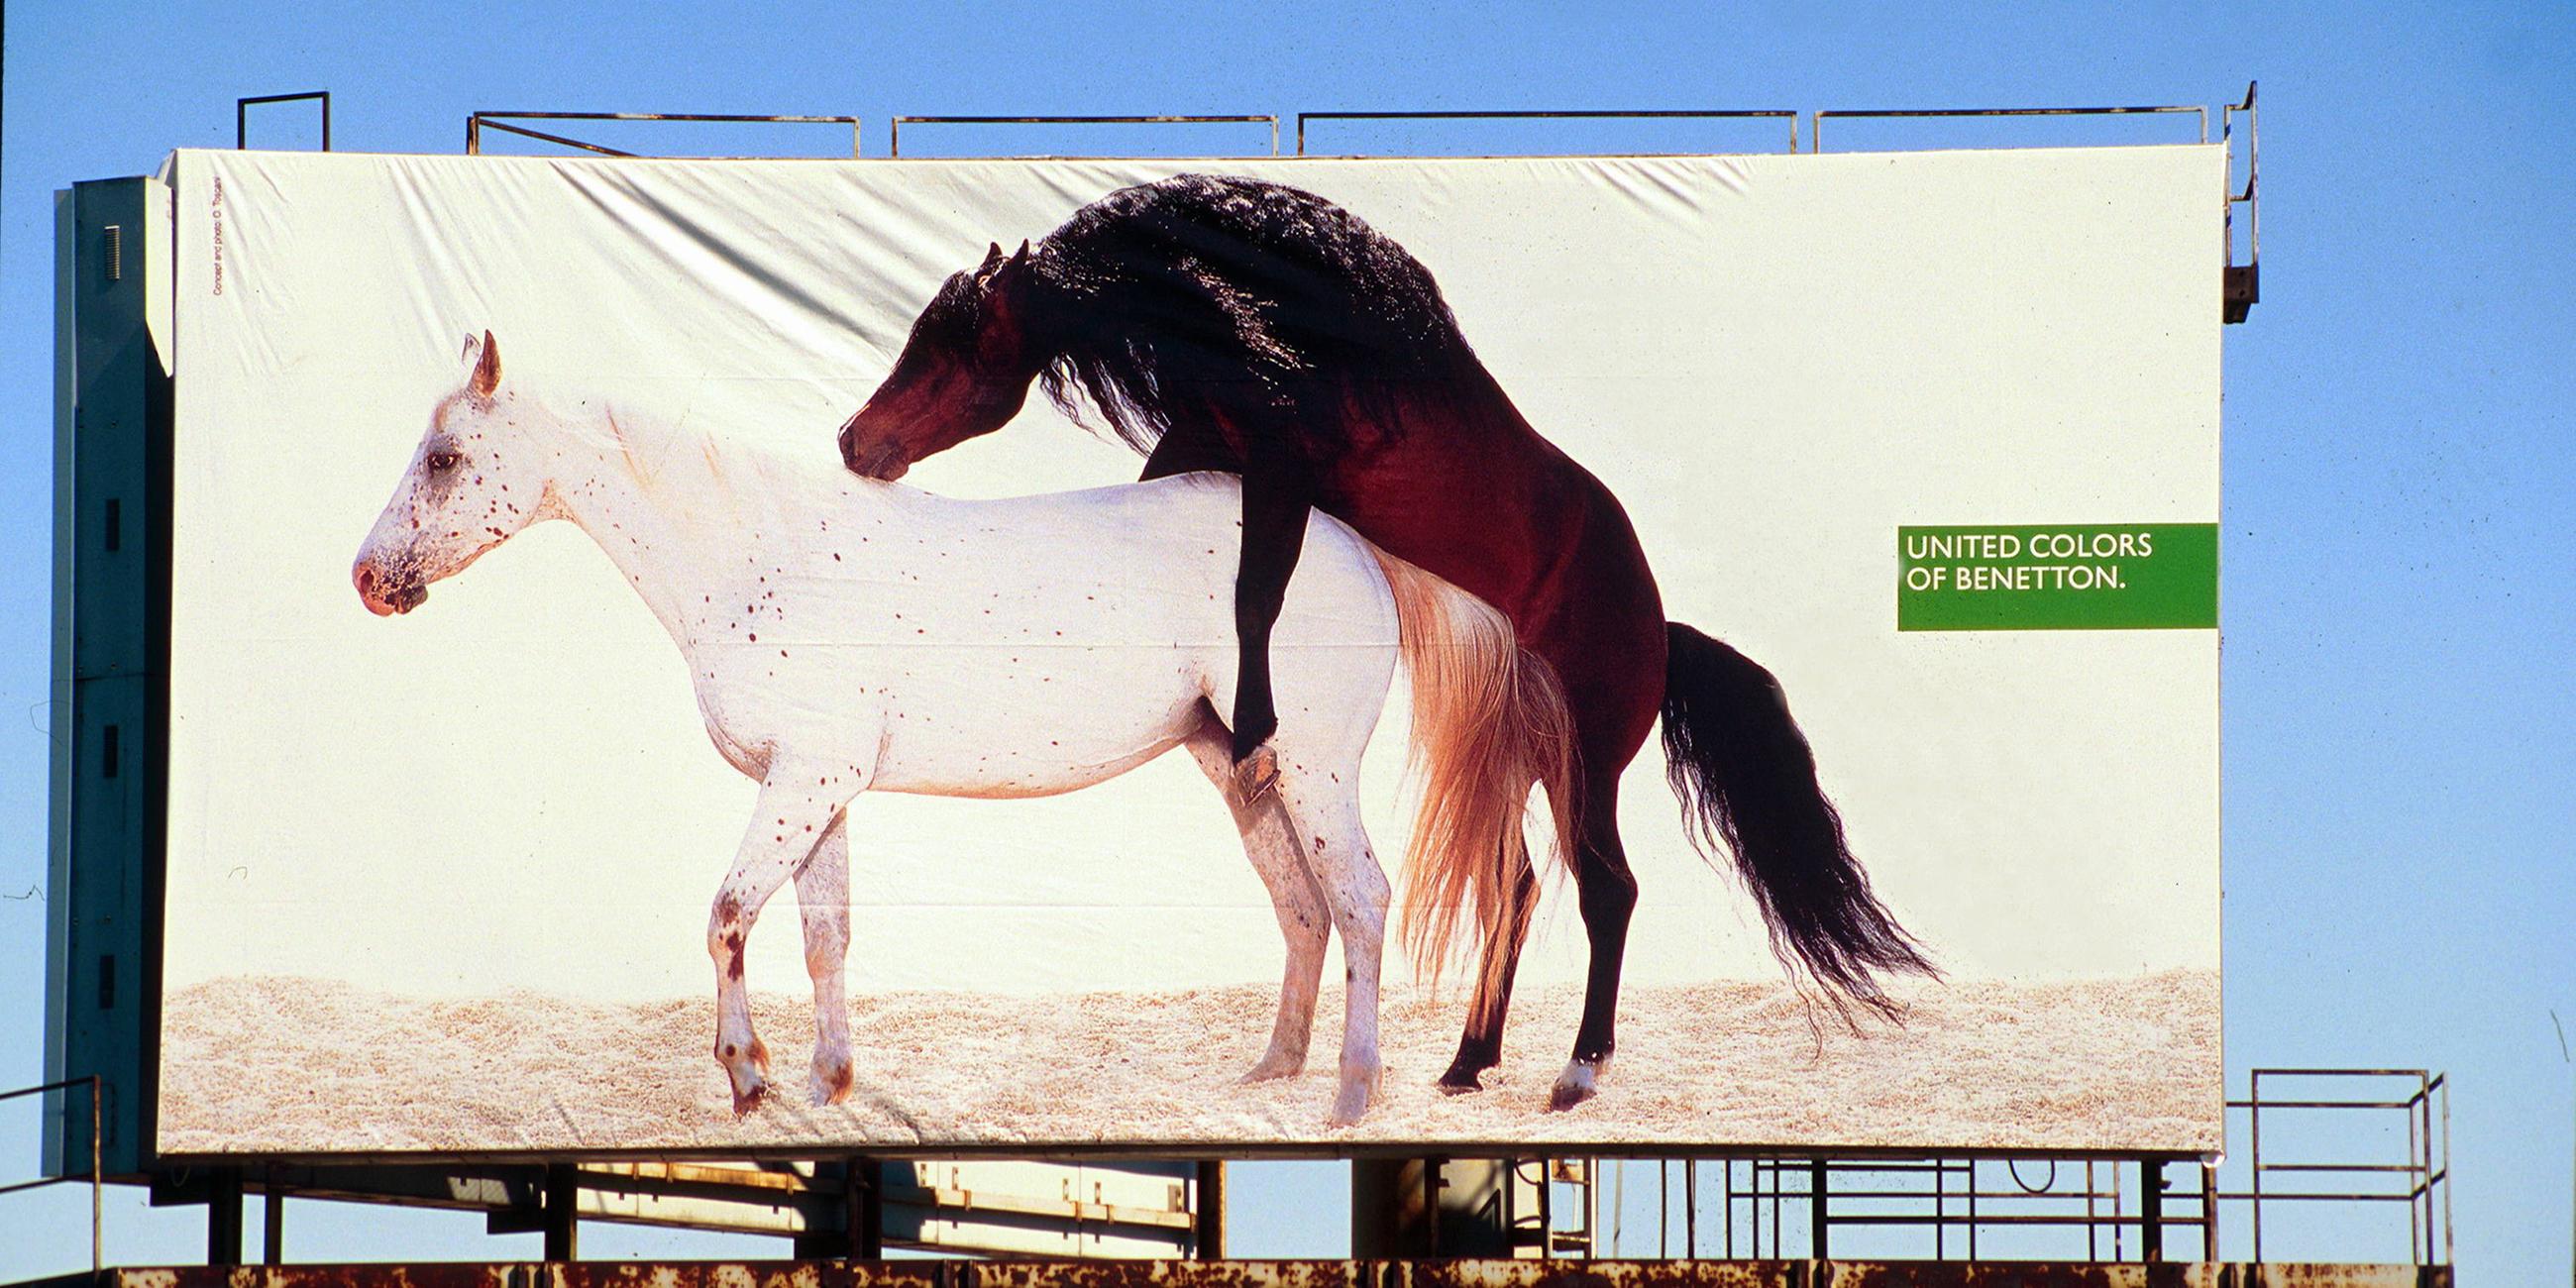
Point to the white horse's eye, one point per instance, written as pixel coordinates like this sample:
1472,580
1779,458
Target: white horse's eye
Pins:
443,461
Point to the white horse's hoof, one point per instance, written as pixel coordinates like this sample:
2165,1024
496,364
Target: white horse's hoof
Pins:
1581,1081
1271,1069
1351,1103
747,1071
831,1082
1348,1108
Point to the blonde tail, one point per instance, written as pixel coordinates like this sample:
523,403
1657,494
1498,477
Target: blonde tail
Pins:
1489,722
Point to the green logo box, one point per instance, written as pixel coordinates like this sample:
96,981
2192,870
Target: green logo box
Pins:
2058,577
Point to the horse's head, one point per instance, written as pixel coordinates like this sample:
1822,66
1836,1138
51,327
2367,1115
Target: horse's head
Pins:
965,371
472,484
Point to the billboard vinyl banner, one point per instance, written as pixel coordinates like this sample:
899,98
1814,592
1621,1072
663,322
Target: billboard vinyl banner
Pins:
1227,657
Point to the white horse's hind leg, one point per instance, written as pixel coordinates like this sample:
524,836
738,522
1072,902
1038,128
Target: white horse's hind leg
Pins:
1305,921
797,805
823,902
1326,813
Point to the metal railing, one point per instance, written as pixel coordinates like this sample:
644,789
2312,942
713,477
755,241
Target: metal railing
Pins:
1816,134
2127,1207
1608,114
894,131
2244,282
242,107
1766,1204
481,121
1814,140
2425,1173
97,1175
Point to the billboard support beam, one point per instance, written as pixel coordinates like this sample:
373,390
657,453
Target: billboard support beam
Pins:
2151,1208
1208,1243
562,1212
224,1218
1818,1218
272,1220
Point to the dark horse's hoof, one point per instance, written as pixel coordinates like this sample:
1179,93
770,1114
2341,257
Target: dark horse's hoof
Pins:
1256,775
1580,1082
1461,1082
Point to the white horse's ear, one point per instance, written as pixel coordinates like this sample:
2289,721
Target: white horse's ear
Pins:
487,368
472,343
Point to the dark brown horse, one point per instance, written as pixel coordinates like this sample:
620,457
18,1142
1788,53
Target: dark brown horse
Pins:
1228,324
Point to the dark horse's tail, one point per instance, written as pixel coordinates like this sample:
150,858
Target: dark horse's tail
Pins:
1746,778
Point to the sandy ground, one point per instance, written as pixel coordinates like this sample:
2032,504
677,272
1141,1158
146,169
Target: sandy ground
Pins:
270,1064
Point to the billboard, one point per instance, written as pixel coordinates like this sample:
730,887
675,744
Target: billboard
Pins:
676,656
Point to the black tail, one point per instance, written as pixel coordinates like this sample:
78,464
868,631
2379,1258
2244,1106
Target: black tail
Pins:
1745,777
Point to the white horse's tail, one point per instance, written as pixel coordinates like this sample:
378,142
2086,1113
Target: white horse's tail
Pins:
1489,723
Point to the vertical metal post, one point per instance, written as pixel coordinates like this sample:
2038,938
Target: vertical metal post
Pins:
2209,1212
2092,1218
272,1222
2151,1209
1816,1215
2446,1167
224,1217
2254,1166
1208,1216
1663,1209
562,1208
1432,1184
97,1213
863,1200
1972,1209
2419,1149
1690,1208
1547,1209
1779,1178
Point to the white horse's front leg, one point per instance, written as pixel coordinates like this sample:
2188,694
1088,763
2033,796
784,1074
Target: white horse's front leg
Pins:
1305,921
823,900
797,805
1327,816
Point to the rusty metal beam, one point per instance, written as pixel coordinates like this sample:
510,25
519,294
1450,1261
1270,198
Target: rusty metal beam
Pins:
1285,1274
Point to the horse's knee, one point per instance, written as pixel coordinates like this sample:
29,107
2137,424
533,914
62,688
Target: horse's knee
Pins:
726,929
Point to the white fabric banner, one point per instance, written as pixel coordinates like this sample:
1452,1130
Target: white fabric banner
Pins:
442,881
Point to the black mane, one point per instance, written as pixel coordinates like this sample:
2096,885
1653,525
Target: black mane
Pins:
1202,296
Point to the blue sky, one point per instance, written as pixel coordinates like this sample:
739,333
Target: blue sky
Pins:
2399,584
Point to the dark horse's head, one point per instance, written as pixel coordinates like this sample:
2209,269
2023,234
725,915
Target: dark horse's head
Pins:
965,371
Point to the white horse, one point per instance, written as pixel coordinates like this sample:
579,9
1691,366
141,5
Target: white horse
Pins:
845,635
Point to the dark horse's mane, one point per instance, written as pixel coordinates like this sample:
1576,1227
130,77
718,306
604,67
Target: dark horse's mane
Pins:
1205,295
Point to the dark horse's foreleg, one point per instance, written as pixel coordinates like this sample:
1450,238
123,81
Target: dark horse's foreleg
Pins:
1276,498
1275,503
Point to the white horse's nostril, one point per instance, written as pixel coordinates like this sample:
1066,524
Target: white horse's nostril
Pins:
365,578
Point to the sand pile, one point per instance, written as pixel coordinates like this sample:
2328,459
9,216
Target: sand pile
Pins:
271,1064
